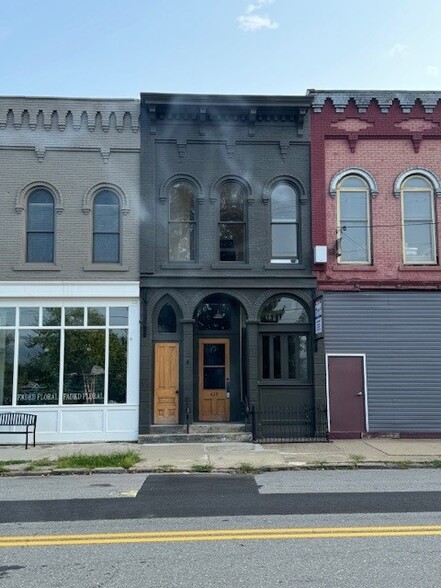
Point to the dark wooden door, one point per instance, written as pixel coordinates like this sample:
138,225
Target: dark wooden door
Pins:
346,396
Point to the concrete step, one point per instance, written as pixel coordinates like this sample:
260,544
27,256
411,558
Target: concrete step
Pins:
235,437
218,428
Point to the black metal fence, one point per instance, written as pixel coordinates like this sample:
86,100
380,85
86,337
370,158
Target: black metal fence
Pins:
289,424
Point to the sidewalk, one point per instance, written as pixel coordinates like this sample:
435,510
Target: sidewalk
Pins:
359,453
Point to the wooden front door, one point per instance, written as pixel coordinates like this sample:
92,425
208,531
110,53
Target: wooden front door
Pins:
214,377
346,396
166,398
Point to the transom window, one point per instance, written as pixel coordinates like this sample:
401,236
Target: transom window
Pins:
106,227
182,222
418,213
232,225
40,227
284,224
353,221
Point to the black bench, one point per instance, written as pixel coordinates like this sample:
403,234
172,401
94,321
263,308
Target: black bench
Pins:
27,423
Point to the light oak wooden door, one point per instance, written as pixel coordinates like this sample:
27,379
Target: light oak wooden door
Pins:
166,397
214,376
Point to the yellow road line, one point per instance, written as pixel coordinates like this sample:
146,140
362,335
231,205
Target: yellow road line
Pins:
219,535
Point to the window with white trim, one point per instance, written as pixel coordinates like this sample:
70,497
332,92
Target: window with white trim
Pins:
353,221
106,227
285,224
418,221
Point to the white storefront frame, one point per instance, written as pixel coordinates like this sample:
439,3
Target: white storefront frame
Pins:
83,423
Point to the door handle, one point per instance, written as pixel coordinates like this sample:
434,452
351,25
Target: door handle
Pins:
177,391
359,394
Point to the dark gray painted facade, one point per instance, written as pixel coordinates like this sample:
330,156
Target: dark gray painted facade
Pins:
258,142
400,334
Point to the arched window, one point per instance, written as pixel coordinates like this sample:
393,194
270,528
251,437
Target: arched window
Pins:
418,213
285,340
167,319
353,221
182,222
106,227
40,227
285,213
232,222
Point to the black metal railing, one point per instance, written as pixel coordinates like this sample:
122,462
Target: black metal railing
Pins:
289,424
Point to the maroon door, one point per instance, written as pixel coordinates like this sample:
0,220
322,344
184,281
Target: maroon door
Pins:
346,396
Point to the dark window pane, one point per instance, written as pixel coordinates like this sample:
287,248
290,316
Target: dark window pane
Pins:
40,248
303,358
38,367
7,317
284,203
284,241
28,317
213,316
232,198
182,202
84,367
52,317
106,248
106,218
41,217
167,319
277,357
74,316
231,242
181,241
214,354
117,366
281,309
214,378
118,316
6,366
96,317
292,339
265,357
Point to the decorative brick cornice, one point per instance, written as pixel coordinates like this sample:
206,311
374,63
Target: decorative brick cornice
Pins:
363,98
63,113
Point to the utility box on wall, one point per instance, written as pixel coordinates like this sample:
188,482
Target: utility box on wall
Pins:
320,254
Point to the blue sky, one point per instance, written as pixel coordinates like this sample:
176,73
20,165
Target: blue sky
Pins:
116,48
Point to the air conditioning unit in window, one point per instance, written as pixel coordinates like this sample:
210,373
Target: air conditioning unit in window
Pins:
320,254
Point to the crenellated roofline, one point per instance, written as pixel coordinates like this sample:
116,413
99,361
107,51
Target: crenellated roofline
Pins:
384,98
63,113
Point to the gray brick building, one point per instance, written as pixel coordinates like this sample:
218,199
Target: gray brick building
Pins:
69,271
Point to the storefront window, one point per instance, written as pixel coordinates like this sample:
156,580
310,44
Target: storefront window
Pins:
78,347
38,366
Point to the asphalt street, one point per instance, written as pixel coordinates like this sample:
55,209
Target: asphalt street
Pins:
205,495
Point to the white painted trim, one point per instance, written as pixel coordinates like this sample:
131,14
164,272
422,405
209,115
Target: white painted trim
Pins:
68,289
366,413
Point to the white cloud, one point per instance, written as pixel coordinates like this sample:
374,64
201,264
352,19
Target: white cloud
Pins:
432,71
250,21
397,50
257,5
255,22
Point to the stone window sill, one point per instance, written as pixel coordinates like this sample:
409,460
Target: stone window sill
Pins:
230,265
37,267
419,268
354,268
105,267
185,265
284,266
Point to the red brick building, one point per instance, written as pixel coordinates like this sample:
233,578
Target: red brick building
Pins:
376,169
